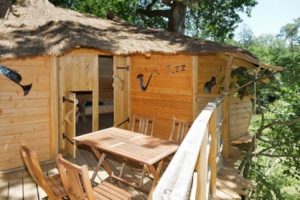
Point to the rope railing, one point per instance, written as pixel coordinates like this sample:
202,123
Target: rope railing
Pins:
196,157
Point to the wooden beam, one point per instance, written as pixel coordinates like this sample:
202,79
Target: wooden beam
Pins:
54,107
225,127
195,68
61,114
213,152
244,57
202,168
176,180
226,110
242,63
95,89
228,74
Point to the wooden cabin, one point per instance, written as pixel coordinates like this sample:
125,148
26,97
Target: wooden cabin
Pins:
72,58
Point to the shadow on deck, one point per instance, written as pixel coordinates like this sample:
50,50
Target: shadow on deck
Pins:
18,185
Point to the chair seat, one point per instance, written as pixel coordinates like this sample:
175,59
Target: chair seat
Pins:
107,191
56,185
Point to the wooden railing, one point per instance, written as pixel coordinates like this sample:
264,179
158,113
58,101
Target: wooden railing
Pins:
192,172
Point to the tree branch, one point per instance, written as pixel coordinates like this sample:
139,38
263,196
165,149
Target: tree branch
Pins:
150,5
277,156
154,13
287,123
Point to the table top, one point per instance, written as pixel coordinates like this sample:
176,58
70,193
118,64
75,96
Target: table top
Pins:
129,144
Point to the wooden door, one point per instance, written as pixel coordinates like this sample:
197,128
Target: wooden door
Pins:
70,102
77,72
121,86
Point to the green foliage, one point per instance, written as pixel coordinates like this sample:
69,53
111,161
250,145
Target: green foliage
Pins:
124,9
275,164
205,18
217,19
290,32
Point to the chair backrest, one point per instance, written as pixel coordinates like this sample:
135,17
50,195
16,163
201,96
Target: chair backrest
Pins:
179,129
75,179
32,164
142,124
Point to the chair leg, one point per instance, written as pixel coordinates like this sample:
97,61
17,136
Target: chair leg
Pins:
98,167
143,175
122,170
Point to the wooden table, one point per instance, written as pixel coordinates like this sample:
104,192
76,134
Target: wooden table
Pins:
133,146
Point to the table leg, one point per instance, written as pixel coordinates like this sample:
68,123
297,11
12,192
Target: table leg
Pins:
104,163
155,173
101,159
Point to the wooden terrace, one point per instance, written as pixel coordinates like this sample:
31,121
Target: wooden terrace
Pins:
202,168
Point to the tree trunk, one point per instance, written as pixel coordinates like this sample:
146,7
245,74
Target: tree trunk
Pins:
4,7
177,17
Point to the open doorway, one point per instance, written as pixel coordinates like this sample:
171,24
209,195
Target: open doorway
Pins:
106,99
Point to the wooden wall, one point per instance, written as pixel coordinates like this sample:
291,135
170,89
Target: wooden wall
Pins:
25,117
240,115
169,93
210,66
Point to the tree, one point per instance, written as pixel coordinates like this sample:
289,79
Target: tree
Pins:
272,158
290,32
215,19
245,36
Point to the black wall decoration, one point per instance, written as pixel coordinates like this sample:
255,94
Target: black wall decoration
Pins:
170,70
209,85
14,76
141,78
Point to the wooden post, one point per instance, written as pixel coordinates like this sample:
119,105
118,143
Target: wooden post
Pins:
195,69
202,168
95,88
61,107
226,110
54,107
212,160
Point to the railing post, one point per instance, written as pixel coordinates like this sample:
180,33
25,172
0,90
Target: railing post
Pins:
213,151
202,169
225,127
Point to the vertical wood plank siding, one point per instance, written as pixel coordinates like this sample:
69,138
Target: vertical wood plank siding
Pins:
169,93
25,117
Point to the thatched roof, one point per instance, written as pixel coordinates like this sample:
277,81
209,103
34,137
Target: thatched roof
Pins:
43,29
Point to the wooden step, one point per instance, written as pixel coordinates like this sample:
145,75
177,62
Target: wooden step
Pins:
230,184
242,140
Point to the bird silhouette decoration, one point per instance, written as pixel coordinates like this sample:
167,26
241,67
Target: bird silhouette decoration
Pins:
15,77
209,85
141,78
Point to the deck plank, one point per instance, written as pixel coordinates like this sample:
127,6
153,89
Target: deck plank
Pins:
4,184
30,189
15,189
41,193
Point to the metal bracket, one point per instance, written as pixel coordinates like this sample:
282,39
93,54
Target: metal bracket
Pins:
127,68
123,122
66,99
68,139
